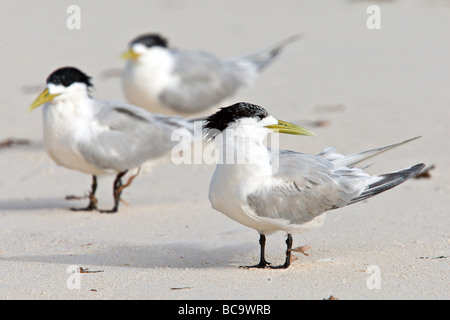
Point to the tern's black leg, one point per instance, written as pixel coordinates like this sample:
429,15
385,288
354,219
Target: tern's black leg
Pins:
262,262
92,199
287,263
117,191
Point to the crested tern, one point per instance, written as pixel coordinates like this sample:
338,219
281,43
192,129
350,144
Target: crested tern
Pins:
292,196
173,81
100,137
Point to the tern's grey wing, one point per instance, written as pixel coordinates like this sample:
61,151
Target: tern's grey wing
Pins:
204,80
126,136
305,187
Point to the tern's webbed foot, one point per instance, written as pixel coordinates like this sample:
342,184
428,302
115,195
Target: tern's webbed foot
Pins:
92,199
283,266
88,208
261,265
262,261
92,206
113,210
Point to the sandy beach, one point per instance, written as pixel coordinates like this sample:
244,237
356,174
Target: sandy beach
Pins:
355,87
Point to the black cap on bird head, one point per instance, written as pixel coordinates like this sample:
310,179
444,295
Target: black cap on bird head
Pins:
216,123
65,76
220,120
68,75
150,40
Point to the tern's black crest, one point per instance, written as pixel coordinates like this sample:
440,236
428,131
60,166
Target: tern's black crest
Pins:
219,121
150,40
68,75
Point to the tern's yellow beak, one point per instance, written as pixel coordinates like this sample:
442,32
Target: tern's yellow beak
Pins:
289,128
44,97
130,55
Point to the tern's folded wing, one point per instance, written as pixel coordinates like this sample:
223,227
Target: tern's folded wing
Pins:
305,187
125,136
202,80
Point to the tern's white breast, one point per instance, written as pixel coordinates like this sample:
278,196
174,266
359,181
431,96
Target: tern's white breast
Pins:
233,182
145,78
65,123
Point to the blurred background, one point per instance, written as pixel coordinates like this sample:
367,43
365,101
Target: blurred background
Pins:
355,87
341,71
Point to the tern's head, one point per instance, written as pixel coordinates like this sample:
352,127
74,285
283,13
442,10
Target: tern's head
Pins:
62,82
142,44
248,120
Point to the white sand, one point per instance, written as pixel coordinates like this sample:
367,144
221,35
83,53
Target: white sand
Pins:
392,84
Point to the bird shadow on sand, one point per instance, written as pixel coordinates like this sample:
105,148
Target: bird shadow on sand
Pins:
33,204
171,255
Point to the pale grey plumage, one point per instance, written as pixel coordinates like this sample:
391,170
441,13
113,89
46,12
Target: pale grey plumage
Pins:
308,187
281,190
201,80
205,80
311,185
131,136
103,137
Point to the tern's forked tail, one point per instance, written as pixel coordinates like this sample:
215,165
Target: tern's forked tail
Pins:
386,181
263,58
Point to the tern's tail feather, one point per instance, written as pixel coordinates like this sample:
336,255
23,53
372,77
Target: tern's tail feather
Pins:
263,58
353,159
383,182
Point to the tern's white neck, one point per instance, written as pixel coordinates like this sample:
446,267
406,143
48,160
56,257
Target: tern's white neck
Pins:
236,149
232,182
242,153
73,103
67,121
155,57
242,141
146,77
